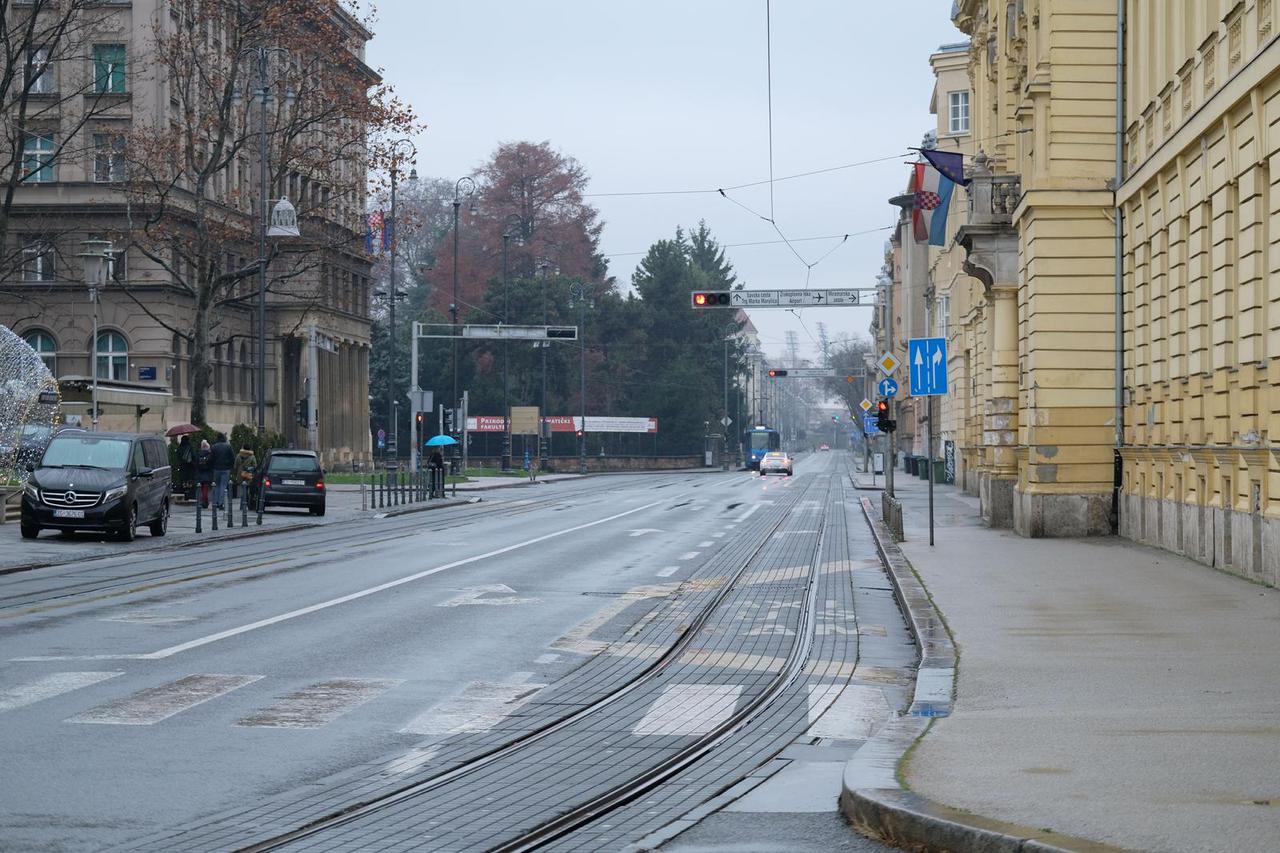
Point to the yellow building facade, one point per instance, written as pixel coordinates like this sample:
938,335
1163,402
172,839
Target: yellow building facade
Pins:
1033,344
1202,324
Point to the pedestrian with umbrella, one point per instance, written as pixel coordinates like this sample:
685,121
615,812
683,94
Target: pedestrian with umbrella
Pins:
186,458
435,465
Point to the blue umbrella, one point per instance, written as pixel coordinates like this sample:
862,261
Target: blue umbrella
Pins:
441,440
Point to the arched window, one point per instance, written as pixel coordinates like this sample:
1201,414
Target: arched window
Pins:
112,355
44,344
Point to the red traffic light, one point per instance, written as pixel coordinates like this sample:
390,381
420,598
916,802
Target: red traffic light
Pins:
699,299
774,373
882,406
710,299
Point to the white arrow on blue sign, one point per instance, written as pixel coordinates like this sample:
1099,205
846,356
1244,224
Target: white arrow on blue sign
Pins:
869,425
927,359
887,387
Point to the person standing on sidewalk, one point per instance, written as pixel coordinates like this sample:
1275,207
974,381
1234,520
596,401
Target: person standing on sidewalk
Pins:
187,467
204,469
223,460
246,465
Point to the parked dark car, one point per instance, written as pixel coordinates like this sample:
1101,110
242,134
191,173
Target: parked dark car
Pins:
290,478
105,481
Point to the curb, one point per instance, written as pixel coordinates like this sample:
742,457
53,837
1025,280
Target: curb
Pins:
873,798
246,534
862,487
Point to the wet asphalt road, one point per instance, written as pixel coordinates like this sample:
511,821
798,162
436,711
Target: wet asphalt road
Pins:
144,692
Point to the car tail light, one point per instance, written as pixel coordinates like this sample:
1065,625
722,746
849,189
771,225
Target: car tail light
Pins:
320,485
266,481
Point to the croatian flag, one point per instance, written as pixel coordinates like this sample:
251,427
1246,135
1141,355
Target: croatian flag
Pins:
932,200
374,233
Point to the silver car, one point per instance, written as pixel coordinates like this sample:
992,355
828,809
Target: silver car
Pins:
777,462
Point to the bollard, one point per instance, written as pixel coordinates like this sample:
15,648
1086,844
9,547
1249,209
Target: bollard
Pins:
262,497
244,505
395,488
213,513
199,526
363,503
231,508
382,491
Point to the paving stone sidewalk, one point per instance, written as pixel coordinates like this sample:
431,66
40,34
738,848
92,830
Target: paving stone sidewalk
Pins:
1106,690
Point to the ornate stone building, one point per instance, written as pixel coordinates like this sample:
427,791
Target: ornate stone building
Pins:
76,190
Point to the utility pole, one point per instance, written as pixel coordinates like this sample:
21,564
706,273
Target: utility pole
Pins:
890,456
458,193
506,376
543,428
579,292
392,291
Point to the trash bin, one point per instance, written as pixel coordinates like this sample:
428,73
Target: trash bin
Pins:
939,471
922,467
909,464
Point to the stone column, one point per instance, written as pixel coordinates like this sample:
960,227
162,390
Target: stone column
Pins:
1000,410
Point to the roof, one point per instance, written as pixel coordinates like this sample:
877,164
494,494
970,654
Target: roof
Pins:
83,433
953,47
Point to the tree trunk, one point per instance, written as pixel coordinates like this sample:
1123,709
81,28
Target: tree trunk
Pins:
200,360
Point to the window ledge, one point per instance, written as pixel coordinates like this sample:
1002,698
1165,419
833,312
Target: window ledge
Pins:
109,98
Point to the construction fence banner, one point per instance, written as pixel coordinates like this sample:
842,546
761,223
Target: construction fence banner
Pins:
563,423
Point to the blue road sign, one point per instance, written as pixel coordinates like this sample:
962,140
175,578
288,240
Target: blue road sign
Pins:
869,425
887,387
382,439
927,360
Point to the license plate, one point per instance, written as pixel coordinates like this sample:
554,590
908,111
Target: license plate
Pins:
68,513
293,482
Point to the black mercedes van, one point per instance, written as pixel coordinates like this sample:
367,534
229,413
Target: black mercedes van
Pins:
105,481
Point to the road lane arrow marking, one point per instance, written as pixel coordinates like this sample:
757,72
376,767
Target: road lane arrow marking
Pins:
643,530
475,595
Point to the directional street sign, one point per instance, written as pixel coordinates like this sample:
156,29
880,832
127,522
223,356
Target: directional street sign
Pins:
927,360
887,387
840,298
802,372
869,425
866,405
888,363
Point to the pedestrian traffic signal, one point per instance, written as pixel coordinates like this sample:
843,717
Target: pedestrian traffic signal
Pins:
300,412
711,299
447,426
835,418
776,373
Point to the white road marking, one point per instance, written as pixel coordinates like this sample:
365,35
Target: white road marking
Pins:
474,595
706,543
333,602
690,555
642,531
854,714
547,658
318,704
689,709
667,571
479,707
146,617
150,706
579,639
49,686
748,513
718,534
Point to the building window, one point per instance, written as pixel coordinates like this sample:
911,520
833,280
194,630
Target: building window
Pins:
943,321
958,112
45,346
41,77
108,158
37,158
108,69
37,259
112,356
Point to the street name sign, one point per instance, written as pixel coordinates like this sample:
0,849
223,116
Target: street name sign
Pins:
803,372
498,332
927,362
869,425
845,297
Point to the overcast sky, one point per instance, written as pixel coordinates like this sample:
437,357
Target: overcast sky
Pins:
660,95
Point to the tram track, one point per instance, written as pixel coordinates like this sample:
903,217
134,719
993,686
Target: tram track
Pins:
579,815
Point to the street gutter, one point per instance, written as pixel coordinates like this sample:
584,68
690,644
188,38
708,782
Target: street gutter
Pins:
874,796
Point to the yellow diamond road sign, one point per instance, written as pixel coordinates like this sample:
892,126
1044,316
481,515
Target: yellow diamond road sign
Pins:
888,363
865,404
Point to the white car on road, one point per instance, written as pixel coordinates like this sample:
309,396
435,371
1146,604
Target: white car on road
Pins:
777,462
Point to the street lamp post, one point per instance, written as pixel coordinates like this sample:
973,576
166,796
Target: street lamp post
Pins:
543,432
729,328
463,187
579,291
506,376
96,257
410,152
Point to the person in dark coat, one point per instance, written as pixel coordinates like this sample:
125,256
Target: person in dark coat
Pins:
187,467
435,466
223,459
204,470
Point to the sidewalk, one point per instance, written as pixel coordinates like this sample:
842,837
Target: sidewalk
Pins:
1105,690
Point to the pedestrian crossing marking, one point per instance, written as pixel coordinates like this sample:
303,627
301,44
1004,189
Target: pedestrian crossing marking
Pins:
689,709
318,704
48,686
478,708
150,706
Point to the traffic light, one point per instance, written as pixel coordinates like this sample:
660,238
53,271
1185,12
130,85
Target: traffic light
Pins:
420,423
776,373
835,419
884,423
447,426
710,299
300,412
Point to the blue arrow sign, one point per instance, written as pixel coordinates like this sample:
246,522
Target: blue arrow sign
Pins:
927,360
869,425
887,387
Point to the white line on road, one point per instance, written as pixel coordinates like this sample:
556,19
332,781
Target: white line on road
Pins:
689,709
154,704
706,543
49,686
718,534
317,705
549,657
748,513
479,707
668,571
690,555
333,602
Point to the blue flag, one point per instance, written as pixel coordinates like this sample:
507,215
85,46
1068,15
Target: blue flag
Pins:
948,163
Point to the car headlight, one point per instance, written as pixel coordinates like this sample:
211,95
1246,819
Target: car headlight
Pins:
112,494
31,491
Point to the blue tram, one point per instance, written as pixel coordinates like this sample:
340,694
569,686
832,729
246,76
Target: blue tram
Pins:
758,441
